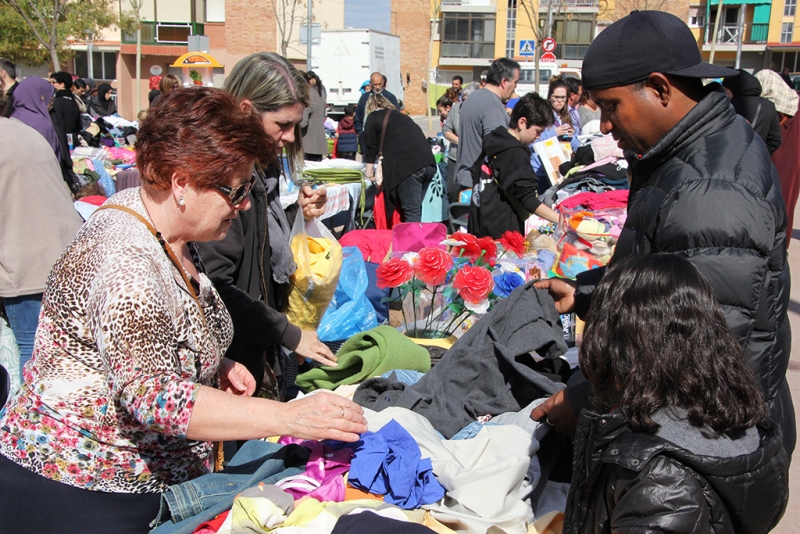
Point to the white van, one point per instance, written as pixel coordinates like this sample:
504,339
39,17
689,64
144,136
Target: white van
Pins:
527,83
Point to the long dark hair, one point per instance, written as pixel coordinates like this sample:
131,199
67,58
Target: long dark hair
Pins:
656,337
563,115
311,75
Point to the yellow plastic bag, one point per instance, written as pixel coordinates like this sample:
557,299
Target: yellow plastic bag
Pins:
319,260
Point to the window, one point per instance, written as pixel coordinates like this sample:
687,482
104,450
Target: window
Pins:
787,29
468,35
573,35
697,21
511,28
104,65
789,8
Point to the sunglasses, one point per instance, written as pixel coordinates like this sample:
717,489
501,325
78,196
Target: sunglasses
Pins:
237,194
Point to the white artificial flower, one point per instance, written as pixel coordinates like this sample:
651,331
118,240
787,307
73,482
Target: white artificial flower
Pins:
479,308
410,257
453,243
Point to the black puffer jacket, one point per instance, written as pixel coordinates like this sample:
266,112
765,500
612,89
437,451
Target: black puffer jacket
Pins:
759,112
630,482
709,192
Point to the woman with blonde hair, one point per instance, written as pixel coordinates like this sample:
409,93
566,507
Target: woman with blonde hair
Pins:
167,84
252,266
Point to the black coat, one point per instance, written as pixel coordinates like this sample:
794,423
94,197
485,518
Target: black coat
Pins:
510,162
709,192
616,473
405,150
240,268
759,112
68,112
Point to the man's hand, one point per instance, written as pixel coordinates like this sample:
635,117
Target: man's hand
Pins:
557,412
235,378
311,347
562,291
312,202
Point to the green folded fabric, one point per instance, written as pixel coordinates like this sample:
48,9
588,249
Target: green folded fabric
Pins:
366,355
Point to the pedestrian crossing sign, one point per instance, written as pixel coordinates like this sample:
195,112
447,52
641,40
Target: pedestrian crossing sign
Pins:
527,47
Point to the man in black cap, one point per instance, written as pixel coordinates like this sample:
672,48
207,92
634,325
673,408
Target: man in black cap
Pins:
702,186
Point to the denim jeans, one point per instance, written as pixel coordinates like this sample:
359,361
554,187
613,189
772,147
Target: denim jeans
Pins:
23,317
411,193
203,498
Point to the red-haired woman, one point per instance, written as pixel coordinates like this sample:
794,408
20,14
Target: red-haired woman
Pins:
128,385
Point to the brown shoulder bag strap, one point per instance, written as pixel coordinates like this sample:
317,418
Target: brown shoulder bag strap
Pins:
164,245
383,130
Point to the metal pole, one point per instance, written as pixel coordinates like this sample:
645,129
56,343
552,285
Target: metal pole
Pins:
90,60
716,31
741,35
308,37
138,103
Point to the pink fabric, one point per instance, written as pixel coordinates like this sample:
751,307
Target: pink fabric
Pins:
373,244
414,236
323,478
597,201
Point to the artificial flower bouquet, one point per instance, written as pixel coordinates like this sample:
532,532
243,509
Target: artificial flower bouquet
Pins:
441,289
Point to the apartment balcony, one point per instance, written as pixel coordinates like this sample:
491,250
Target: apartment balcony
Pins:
164,33
729,34
567,4
467,49
469,6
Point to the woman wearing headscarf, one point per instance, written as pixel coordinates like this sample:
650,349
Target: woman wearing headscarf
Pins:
103,105
785,158
32,101
745,94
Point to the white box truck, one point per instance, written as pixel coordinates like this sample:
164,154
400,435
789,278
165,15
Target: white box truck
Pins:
344,60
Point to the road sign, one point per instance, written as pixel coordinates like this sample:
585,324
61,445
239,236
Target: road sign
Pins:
527,47
548,57
549,45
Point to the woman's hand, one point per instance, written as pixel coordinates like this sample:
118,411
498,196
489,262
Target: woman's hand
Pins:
312,201
311,347
235,378
324,416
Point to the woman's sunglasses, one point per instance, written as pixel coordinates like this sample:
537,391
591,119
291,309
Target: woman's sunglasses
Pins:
237,194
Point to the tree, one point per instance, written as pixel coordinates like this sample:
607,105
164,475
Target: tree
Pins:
16,42
286,17
623,8
52,22
541,31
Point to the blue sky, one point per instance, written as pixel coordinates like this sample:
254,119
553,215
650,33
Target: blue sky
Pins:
372,14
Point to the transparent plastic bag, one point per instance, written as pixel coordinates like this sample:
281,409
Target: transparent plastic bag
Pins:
319,261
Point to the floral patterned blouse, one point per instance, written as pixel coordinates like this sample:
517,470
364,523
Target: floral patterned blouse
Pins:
120,353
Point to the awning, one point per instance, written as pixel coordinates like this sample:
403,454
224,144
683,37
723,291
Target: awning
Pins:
738,2
196,59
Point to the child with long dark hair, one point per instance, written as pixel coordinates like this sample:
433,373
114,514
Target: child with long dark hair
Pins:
681,441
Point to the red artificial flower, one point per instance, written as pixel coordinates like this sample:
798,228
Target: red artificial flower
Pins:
393,273
471,249
513,242
473,283
432,265
489,248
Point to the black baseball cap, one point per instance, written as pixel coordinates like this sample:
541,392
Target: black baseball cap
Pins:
641,43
